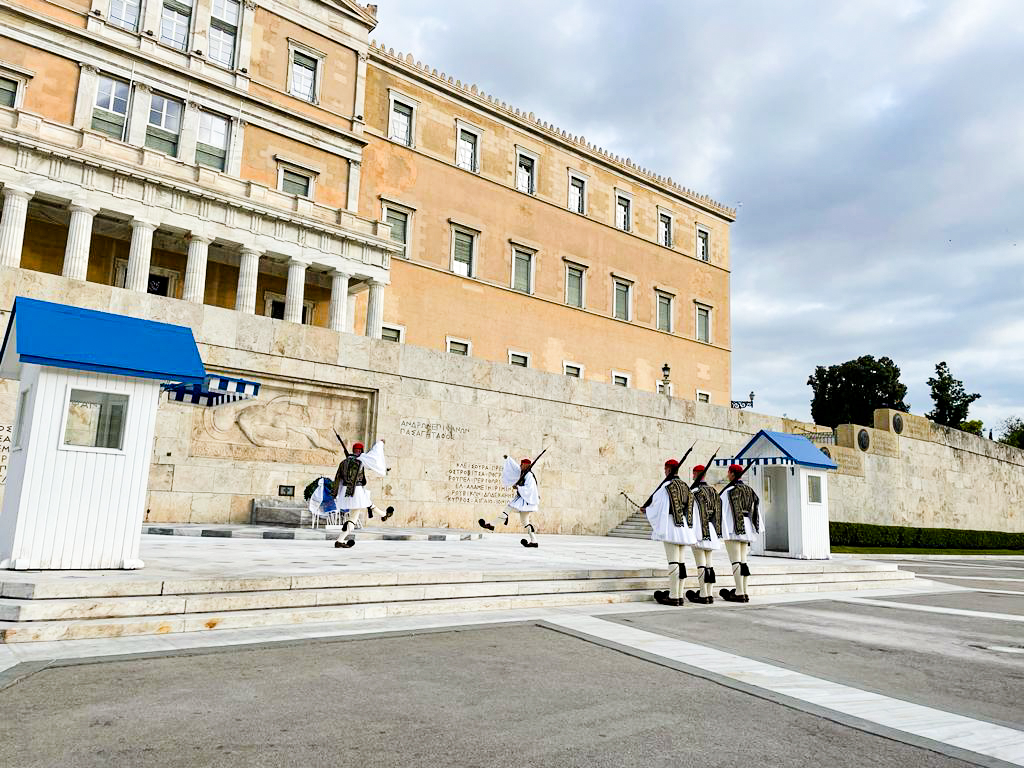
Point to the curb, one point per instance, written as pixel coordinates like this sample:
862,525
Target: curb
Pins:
302,534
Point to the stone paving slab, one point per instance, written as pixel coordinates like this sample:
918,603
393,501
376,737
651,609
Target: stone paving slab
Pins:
325,533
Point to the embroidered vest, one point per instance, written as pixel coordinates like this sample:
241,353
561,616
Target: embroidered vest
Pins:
680,502
709,504
743,502
350,474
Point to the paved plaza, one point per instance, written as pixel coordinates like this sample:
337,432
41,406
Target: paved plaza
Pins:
927,673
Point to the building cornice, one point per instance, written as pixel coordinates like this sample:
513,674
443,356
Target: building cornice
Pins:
530,123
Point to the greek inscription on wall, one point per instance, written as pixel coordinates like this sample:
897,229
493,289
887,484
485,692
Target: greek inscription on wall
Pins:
477,484
5,451
432,430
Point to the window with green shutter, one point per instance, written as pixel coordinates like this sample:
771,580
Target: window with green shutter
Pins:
523,266
664,312
111,111
622,300
463,253
295,183
399,222
212,142
164,124
574,286
8,91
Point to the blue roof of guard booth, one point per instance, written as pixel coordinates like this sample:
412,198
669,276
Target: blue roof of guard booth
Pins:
796,447
62,336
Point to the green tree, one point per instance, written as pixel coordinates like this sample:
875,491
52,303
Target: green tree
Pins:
850,392
974,427
1013,432
951,400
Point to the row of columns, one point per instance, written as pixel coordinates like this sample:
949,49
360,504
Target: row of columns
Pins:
140,251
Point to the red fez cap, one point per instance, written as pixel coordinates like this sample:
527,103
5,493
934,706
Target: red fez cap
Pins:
357,446
671,464
735,468
699,468
524,462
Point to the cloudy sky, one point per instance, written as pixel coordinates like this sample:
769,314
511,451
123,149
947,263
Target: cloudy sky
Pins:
874,149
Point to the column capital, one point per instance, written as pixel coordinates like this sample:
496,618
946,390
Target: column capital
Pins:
92,69
250,251
143,88
197,238
10,191
83,208
143,224
340,273
296,262
375,283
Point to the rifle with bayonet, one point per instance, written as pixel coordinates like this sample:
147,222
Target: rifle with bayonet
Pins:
522,472
669,477
343,446
700,477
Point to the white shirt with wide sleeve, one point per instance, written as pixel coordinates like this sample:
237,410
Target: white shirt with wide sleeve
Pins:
663,527
528,494
372,460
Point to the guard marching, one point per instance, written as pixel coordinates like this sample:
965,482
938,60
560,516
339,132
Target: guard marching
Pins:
351,495
741,521
707,524
670,513
526,501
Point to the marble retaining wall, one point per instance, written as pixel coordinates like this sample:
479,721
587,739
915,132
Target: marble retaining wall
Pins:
448,420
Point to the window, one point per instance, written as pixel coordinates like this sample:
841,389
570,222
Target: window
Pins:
704,324
95,419
467,151
622,303
273,306
623,213
459,346
175,20
665,229
111,113
463,252
393,333
164,124
813,489
526,172
19,423
520,359
664,312
620,379
522,270
664,388
703,397
224,31
399,222
8,92
124,14
574,285
161,281
401,123
212,143
295,182
575,370
703,247
304,75
577,193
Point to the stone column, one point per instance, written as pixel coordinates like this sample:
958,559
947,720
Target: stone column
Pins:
138,115
360,96
85,101
248,272
140,253
375,310
295,291
189,133
195,269
337,312
248,21
12,225
354,173
76,255
350,314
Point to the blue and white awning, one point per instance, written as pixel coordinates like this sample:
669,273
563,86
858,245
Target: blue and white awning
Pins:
213,391
764,460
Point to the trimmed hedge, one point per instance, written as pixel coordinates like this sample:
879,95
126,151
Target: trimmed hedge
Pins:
865,535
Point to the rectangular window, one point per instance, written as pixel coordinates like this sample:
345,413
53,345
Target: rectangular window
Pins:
401,123
399,222
164,124
665,229
391,333
664,312
96,419
124,14
518,359
212,143
466,154
623,216
111,113
8,92
573,369
526,169
175,20
620,379
577,194
574,286
276,309
304,69
463,247
664,388
522,271
295,183
458,347
704,324
703,397
622,290
703,245
813,489
224,31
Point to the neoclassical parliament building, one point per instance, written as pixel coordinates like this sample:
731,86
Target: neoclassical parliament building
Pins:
266,156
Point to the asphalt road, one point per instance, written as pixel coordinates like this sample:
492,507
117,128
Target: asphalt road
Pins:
512,696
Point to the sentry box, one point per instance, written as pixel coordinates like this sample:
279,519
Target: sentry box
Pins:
89,386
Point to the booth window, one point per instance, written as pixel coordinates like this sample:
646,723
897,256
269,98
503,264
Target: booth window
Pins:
96,419
813,489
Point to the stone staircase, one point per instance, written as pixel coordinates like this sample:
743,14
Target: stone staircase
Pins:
633,527
100,608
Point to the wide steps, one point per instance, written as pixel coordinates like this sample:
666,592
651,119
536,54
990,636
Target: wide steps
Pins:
633,527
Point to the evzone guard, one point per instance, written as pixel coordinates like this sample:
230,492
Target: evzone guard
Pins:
526,501
670,512
351,495
707,524
741,521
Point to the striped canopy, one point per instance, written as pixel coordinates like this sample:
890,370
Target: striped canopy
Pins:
213,391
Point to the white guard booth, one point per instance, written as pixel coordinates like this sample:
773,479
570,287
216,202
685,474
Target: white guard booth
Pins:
89,386
789,474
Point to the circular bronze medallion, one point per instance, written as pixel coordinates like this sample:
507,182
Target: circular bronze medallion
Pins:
897,423
863,440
